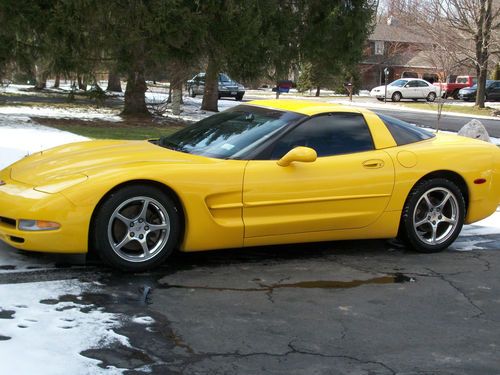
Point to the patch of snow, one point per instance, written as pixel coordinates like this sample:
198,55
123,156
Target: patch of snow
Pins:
46,336
20,136
191,112
83,113
488,226
143,320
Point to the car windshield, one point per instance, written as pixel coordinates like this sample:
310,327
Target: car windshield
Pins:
229,134
399,83
488,84
224,78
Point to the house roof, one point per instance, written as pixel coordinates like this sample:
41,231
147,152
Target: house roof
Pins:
398,33
414,59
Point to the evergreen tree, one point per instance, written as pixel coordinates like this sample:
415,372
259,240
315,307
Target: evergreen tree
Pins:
332,36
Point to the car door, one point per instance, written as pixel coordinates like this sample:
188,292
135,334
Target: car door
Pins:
411,90
423,89
348,186
494,91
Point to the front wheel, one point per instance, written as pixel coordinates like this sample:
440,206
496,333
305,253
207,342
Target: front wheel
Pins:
433,215
239,97
136,228
396,97
431,97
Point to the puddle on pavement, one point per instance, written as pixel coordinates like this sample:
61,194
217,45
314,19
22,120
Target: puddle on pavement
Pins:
7,314
397,278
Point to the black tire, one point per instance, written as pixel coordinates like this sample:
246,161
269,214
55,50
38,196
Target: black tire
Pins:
431,229
191,92
415,100
455,94
431,97
380,99
396,97
123,228
239,97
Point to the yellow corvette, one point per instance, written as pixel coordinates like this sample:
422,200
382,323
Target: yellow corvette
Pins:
267,172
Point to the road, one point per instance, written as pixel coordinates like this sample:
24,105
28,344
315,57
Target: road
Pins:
353,307
447,122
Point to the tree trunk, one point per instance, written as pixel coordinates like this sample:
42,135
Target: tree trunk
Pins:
57,81
41,78
169,99
482,40
135,99
318,91
176,93
81,84
114,83
211,94
176,101
481,86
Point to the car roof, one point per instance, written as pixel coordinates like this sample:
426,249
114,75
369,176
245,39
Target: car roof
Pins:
411,79
306,107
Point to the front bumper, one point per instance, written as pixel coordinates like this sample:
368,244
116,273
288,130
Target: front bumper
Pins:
466,96
20,201
233,93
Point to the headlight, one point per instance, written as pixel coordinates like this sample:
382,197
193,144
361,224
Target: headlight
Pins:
38,225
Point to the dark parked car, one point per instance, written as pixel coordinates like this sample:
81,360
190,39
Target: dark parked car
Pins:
492,91
227,86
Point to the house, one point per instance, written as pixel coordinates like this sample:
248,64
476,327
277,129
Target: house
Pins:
400,48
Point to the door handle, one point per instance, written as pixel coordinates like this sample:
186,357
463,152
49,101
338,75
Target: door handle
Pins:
373,164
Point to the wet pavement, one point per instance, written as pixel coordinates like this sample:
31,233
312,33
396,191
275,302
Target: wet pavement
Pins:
354,307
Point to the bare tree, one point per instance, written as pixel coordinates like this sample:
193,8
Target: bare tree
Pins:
474,21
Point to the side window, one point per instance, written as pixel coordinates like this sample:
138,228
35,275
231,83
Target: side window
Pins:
412,84
334,134
422,84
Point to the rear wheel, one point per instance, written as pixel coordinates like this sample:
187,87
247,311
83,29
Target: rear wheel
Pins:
380,99
433,215
136,228
396,97
431,97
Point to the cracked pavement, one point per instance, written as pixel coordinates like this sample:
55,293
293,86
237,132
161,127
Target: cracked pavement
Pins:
353,307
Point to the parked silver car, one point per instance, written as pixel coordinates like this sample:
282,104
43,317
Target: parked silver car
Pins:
227,86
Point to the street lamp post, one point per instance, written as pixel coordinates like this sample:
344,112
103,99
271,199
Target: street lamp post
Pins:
386,74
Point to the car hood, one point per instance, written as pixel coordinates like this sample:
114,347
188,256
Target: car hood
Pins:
83,159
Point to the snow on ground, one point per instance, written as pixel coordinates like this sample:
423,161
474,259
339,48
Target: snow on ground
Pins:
82,113
41,334
21,136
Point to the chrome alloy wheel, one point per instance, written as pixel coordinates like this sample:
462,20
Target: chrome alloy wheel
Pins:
435,217
138,229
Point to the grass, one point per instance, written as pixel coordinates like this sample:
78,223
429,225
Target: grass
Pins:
470,110
128,129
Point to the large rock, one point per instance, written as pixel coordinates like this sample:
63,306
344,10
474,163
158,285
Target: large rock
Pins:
475,129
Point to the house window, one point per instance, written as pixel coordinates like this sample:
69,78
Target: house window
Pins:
379,47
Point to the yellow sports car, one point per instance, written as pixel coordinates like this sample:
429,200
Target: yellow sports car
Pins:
267,172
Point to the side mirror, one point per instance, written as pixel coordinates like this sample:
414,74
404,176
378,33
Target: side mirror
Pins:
301,154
